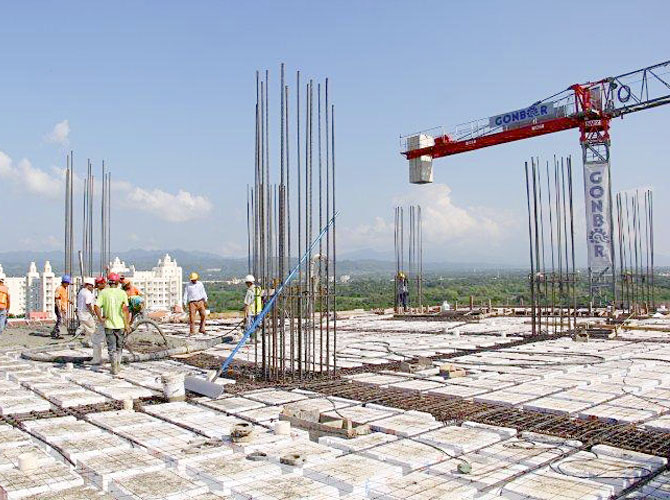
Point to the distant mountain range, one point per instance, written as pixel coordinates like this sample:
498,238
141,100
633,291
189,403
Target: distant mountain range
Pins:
213,266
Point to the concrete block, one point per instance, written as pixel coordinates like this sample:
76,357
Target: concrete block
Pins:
157,485
100,470
50,477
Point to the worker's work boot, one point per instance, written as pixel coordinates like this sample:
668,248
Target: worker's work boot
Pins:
97,354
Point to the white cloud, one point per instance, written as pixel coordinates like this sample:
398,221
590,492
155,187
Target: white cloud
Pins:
179,207
26,178
60,134
445,224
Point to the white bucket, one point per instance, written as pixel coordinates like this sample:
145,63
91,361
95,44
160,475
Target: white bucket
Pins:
27,462
173,386
128,404
282,428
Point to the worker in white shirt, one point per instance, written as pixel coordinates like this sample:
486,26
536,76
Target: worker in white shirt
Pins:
85,310
195,298
253,301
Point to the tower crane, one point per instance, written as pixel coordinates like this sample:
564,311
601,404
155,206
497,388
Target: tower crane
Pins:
589,107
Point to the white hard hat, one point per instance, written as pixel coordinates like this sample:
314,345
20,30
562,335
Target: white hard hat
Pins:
250,279
89,281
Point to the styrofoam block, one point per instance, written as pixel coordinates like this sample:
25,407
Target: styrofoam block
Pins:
76,493
659,424
406,453
24,405
505,397
406,424
76,398
358,443
610,413
102,469
157,485
656,489
221,473
11,437
377,379
49,477
233,404
360,414
544,484
9,457
416,385
585,395
77,447
530,449
486,470
261,439
353,473
312,452
261,415
419,486
557,406
608,465
177,452
274,396
461,439
640,403
458,391
285,488
122,419
125,393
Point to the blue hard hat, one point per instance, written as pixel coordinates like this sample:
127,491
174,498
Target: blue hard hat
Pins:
66,279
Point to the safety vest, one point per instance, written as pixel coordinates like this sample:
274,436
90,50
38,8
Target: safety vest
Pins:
4,297
257,305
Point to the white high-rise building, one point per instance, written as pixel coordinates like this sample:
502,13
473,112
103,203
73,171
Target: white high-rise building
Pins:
161,287
35,292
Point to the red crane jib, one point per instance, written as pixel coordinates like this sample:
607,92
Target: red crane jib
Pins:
445,146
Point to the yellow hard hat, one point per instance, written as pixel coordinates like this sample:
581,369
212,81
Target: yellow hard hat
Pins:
194,277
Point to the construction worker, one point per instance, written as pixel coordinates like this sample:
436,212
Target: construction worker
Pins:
253,301
130,289
61,302
135,299
85,308
98,336
195,298
5,302
402,292
112,309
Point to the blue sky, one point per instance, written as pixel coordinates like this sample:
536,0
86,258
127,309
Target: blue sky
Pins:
164,92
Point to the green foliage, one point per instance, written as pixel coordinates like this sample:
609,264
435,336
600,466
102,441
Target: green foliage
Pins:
375,292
